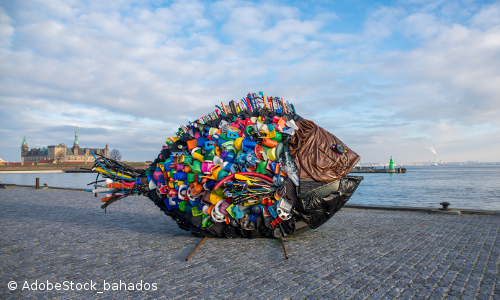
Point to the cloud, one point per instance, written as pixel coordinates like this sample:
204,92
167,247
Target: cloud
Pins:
6,29
414,73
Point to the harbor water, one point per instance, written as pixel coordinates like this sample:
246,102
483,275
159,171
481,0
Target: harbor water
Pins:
469,187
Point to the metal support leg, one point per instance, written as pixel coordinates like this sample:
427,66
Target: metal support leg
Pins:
284,248
190,255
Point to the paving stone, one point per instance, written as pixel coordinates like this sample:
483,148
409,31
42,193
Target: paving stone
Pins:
59,235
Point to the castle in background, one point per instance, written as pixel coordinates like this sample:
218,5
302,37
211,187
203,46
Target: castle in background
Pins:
60,153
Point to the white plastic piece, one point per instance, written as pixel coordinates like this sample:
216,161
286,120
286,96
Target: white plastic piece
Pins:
284,215
289,131
205,209
217,216
158,190
152,185
181,194
291,124
217,160
264,128
190,195
284,205
294,178
109,181
194,150
102,190
259,126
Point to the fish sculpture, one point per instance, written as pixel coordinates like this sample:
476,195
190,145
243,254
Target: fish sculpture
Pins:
252,168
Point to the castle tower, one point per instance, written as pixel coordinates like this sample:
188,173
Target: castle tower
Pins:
24,150
106,151
75,142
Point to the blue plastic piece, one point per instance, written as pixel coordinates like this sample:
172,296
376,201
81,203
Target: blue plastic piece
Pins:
209,145
167,204
237,212
195,202
219,143
180,176
240,158
210,184
232,135
253,217
273,211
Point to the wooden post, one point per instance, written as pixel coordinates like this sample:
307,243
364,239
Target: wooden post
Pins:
190,255
37,184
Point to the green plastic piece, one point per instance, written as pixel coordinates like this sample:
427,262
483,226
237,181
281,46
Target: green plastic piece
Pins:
219,192
249,130
229,210
207,221
224,137
196,212
278,137
182,205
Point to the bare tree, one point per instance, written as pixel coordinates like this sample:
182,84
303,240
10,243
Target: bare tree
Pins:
115,154
59,156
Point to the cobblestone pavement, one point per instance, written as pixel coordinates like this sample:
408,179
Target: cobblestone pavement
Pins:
57,236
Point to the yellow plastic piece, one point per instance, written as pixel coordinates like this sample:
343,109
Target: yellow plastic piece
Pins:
269,135
246,203
101,170
214,199
243,177
238,142
198,156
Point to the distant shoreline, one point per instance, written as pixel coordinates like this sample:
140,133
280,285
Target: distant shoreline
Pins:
31,171
61,168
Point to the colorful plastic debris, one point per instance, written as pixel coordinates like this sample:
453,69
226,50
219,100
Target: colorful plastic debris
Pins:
252,168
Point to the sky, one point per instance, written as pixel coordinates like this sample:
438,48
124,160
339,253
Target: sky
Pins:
410,78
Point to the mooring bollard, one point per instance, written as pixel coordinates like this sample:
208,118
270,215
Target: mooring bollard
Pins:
37,183
445,206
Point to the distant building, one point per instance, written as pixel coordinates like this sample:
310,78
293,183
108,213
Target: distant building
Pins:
60,152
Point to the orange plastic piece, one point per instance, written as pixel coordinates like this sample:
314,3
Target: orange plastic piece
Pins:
119,185
209,210
269,143
282,122
191,144
195,188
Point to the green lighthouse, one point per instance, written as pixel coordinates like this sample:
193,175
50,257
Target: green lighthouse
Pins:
391,164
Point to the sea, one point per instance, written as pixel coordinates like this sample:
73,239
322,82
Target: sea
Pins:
464,186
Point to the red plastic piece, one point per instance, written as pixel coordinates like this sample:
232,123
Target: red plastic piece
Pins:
276,221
